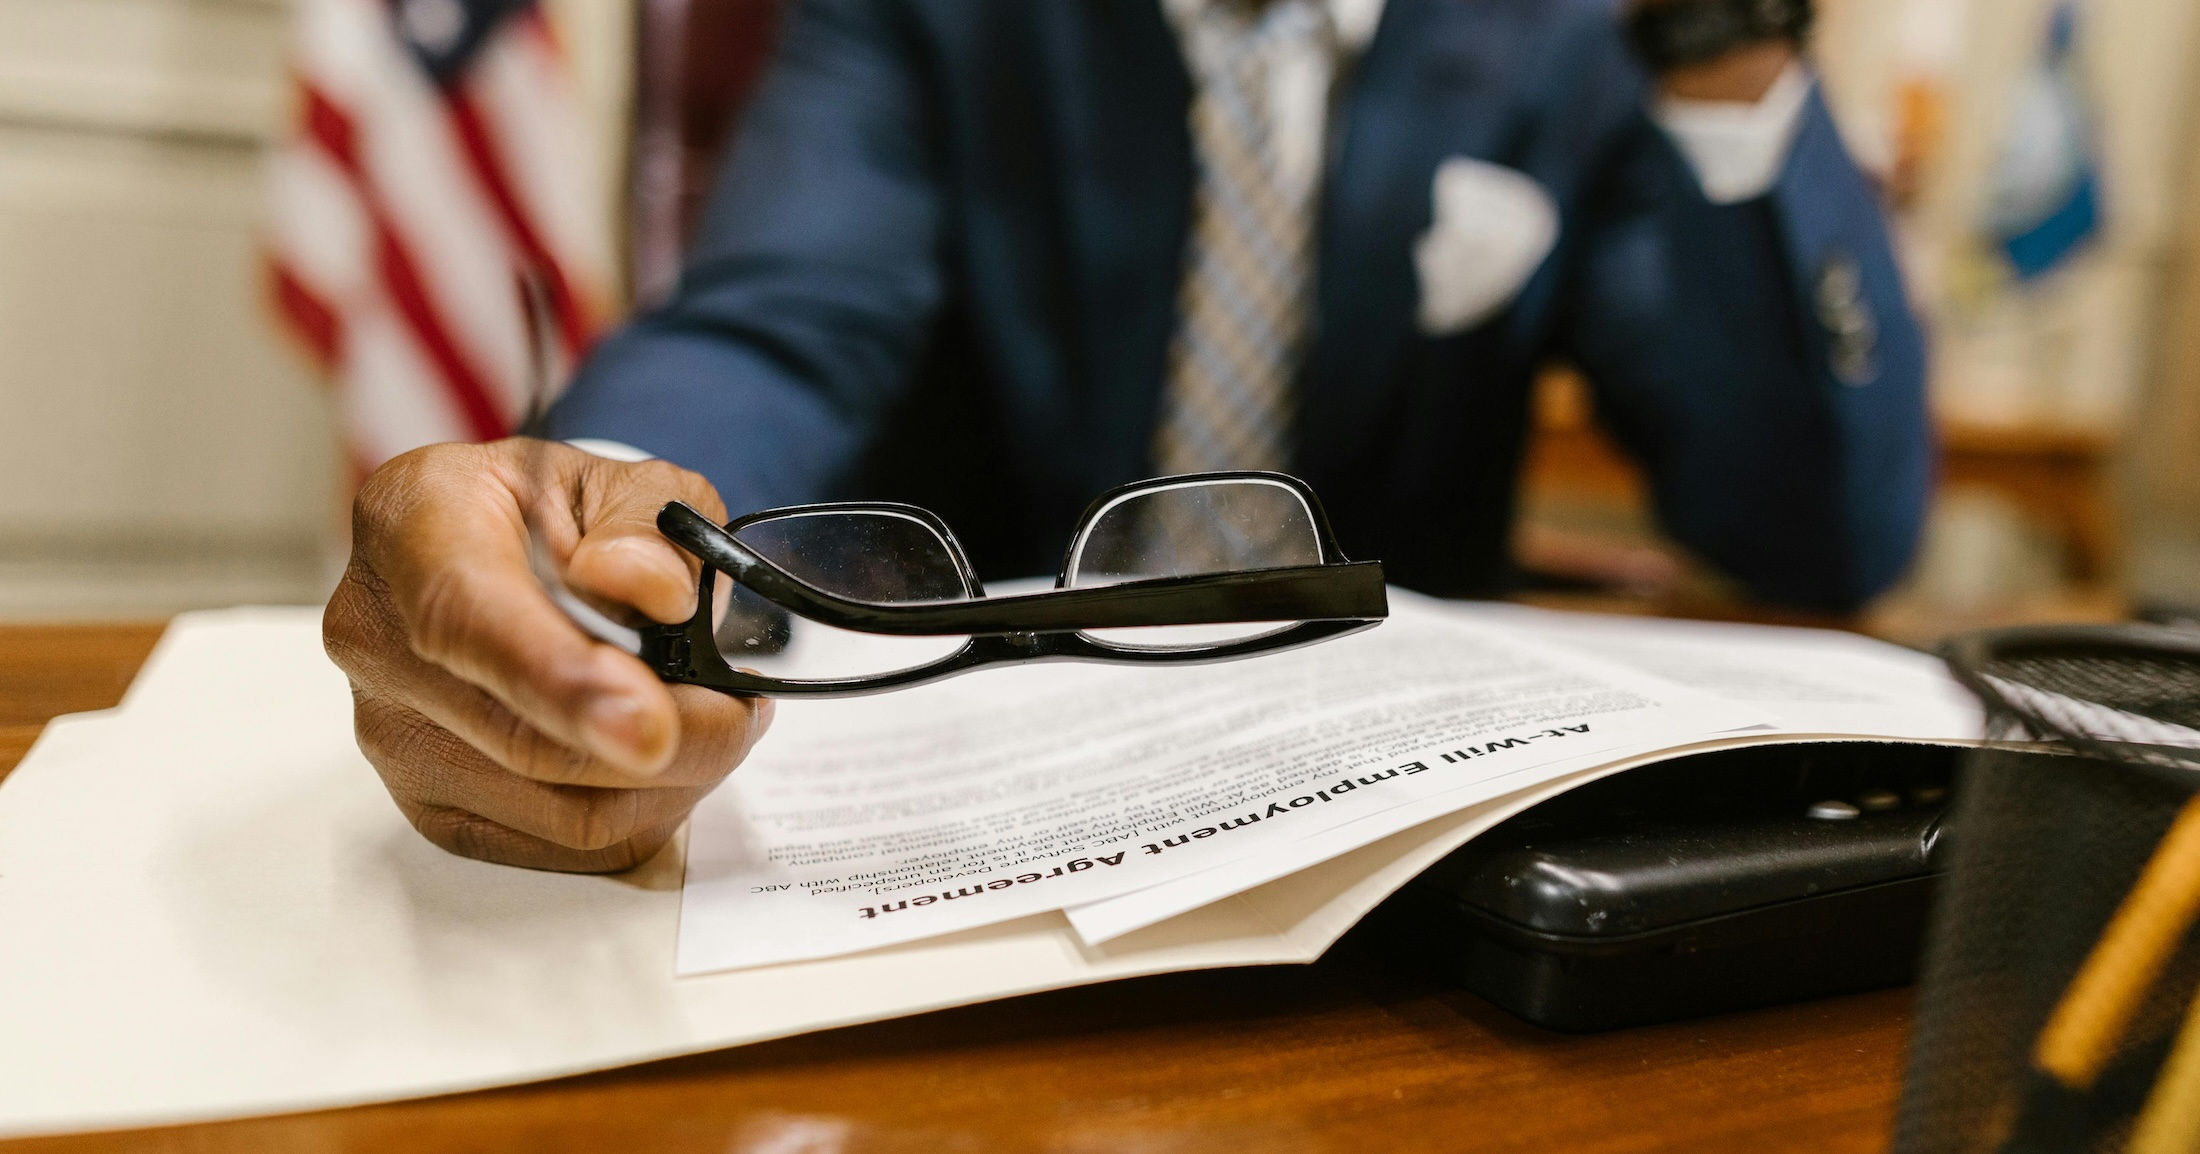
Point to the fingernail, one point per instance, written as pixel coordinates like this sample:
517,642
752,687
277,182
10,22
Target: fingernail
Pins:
620,730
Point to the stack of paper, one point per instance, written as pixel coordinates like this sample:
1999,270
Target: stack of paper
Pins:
213,909
1131,795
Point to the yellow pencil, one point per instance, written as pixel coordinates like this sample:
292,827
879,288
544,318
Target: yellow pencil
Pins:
2089,1022
2170,1122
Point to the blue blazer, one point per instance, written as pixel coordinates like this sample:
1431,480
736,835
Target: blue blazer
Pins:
942,262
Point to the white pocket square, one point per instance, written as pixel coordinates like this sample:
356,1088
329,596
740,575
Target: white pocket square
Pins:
1493,227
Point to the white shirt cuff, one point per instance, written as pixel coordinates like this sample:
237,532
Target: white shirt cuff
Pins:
611,450
1738,149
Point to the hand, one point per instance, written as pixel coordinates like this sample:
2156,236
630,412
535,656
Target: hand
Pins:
1717,50
1742,74
503,731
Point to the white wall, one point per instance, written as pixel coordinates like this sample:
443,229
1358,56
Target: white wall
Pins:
158,447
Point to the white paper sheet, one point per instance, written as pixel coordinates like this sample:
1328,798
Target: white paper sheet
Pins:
1811,680
860,824
1817,683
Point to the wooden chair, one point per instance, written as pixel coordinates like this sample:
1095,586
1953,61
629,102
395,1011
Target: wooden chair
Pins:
696,62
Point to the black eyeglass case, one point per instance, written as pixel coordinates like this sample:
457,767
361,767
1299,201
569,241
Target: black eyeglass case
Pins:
1711,883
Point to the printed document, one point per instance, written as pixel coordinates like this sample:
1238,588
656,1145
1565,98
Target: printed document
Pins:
868,822
1810,682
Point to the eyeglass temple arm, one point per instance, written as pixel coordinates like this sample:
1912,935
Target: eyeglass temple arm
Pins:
1348,591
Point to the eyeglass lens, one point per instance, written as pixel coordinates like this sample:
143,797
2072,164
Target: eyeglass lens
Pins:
1187,529
869,555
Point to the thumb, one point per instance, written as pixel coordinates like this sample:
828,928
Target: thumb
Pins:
621,557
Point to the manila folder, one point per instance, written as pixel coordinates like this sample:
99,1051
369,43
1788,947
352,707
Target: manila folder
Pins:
211,909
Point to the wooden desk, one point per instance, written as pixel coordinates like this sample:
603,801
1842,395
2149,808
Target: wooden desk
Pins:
1356,1053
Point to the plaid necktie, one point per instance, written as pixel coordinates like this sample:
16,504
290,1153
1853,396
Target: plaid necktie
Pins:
1244,305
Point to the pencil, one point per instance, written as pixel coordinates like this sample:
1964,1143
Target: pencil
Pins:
2170,1121
2088,1024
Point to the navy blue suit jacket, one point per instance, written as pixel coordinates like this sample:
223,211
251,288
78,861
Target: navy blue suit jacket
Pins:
942,262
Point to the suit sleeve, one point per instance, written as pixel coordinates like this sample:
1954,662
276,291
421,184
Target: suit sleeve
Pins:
1760,361
813,281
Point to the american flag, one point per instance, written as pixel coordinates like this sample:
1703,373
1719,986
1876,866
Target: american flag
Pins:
438,241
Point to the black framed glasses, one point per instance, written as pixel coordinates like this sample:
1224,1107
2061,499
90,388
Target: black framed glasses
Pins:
855,598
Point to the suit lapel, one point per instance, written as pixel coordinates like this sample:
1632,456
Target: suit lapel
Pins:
1119,96
1422,91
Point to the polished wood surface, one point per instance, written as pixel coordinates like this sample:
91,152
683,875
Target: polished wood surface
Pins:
47,670
1360,1052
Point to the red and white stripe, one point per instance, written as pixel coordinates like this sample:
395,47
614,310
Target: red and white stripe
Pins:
443,255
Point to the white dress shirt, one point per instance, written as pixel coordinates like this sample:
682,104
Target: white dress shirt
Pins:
1300,77
1735,148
